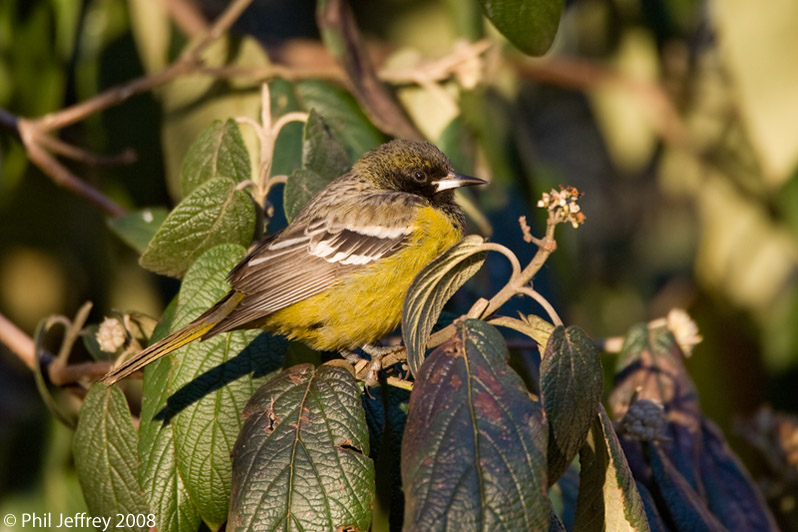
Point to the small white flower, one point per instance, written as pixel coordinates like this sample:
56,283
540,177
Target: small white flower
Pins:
111,335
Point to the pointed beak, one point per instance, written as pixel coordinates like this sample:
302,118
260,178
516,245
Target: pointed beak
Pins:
455,180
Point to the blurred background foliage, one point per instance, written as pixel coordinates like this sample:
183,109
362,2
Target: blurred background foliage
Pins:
677,119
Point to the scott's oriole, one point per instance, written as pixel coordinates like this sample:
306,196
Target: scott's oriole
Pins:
336,277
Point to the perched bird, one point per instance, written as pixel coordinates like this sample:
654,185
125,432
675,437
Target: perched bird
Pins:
336,277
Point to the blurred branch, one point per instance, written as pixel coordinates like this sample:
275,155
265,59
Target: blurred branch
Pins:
340,34
17,342
35,133
584,75
188,16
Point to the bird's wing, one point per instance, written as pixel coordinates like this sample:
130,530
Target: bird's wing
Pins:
310,255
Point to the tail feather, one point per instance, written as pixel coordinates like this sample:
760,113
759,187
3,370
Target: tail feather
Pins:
176,340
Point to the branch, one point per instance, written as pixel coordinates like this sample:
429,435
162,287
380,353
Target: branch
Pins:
340,34
18,342
35,133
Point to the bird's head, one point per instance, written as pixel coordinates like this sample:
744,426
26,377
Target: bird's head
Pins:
413,166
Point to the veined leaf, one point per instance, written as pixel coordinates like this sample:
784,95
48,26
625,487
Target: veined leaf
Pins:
210,382
219,151
473,451
321,151
608,498
106,456
301,185
430,291
137,228
571,381
215,213
342,113
301,459
529,24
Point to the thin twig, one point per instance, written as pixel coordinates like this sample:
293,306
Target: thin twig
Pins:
543,302
18,342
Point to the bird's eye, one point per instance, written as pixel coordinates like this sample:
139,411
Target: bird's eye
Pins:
420,176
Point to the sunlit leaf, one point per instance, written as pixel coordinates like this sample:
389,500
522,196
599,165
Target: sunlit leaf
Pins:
106,457
430,291
301,459
473,452
215,213
218,151
529,24
210,382
608,498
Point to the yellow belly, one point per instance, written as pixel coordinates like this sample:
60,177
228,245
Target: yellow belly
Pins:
365,306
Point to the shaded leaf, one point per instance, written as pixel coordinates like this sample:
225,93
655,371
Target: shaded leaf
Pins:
571,381
608,498
210,382
218,151
459,145
106,456
322,153
163,486
529,24
473,453
730,493
651,366
652,514
342,114
137,228
300,186
287,155
300,461
215,213
685,508
430,291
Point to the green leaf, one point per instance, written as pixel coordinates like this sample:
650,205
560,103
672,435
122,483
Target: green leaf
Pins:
321,151
430,291
301,460
459,145
300,186
473,451
342,114
529,24
163,486
218,151
210,382
288,147
571,380
137,228
215,213
608,498
106,456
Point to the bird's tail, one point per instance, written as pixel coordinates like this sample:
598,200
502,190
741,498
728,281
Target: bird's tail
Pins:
196,329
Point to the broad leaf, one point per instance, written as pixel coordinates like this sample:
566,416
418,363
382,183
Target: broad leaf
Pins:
287,155
342,114
730,492
430,291
321,151
301,185
209,383
473,452
158,475
106,456
571,380
608,498
683,505
215,213
529,24
218,151
301,459
137,228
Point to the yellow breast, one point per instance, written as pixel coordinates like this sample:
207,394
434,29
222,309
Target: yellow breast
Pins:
364,306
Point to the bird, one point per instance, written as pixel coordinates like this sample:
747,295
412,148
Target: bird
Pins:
335,278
